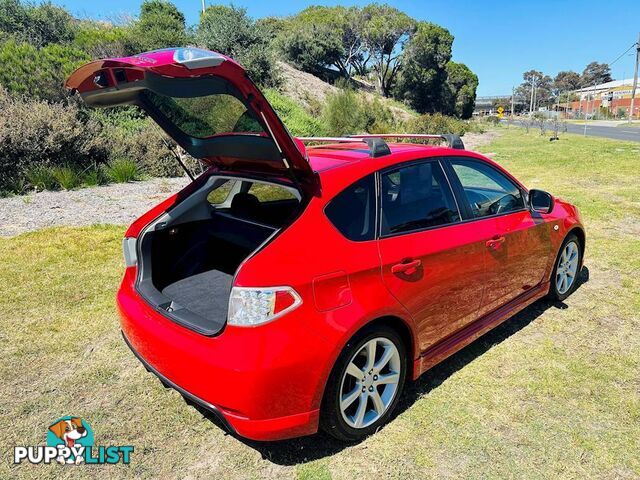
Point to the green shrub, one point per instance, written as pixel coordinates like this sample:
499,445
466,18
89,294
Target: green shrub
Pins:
378,117
39,25
343,113
475,126
122,170
38,72
298,121
436,123
40,177
36,133
102,40
93,177
229,30
66,177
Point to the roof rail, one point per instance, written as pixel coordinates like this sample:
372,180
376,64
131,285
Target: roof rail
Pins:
378,147
453,141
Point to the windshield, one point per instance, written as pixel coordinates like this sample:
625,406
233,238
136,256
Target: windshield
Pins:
205,116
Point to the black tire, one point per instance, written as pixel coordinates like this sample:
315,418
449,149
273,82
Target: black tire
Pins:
554,293
331,419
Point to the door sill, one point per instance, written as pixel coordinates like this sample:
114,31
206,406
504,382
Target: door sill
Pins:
450,345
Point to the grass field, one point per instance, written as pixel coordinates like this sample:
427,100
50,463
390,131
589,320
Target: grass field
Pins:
554,392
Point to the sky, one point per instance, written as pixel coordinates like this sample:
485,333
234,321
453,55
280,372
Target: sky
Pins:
498,40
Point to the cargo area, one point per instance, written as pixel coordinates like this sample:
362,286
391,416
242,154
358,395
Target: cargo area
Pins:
189,256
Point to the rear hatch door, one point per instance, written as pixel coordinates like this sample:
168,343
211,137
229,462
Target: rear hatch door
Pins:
207,103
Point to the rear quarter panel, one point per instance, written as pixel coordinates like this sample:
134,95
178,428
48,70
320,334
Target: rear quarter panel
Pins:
312,253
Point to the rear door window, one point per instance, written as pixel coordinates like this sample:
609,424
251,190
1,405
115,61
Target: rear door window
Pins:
416,197
353,211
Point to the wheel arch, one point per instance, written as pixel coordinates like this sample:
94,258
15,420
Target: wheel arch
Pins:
405,332
580,233
398,324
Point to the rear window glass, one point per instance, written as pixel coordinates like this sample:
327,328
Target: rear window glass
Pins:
263,192
220,194
270,193
352,211
206,116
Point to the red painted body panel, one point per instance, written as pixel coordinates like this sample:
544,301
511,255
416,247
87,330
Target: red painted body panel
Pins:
268,380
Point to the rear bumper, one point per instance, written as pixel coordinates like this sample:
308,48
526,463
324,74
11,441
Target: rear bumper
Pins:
263,383
208,406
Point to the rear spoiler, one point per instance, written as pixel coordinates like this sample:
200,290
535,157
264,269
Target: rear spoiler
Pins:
378,147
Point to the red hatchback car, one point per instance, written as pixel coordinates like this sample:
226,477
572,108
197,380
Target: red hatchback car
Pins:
288,287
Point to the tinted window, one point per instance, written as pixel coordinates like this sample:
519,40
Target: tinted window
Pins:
352,211
219,194
415,197
488,191
205,116
263,192
270,193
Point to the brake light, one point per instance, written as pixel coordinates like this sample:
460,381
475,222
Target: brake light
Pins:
251,306
197,58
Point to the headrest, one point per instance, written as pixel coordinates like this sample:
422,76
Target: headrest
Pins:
244,204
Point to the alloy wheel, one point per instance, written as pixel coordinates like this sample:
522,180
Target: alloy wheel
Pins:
370,382
567,267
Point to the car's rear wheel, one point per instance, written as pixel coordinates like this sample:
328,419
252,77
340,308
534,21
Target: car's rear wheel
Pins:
565,272
365,384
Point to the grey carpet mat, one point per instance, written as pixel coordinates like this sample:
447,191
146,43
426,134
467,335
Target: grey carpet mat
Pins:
206,294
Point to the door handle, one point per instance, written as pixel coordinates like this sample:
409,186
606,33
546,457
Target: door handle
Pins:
406,267
495,242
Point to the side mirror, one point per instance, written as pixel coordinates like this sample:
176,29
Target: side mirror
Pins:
540,201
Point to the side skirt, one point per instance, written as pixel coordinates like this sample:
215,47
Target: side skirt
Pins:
450,345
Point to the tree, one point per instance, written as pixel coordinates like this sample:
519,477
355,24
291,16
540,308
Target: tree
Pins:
161,25
596,73
38,25
423,79
311,48
321,37
271,27
566,81
536,88
462,83
229,30
385,30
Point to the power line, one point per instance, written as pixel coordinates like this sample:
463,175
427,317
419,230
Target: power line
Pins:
622,55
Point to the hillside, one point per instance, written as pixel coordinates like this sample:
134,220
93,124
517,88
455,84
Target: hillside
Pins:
311,92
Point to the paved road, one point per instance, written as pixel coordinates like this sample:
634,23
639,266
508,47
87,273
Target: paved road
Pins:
616,133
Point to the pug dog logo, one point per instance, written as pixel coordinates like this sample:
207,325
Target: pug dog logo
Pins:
69,435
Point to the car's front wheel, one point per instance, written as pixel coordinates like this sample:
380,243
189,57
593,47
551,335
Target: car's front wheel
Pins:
565,272
365,384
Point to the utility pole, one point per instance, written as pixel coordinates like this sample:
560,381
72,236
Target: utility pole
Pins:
202,6
635,79
593,105
513,96
533,86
